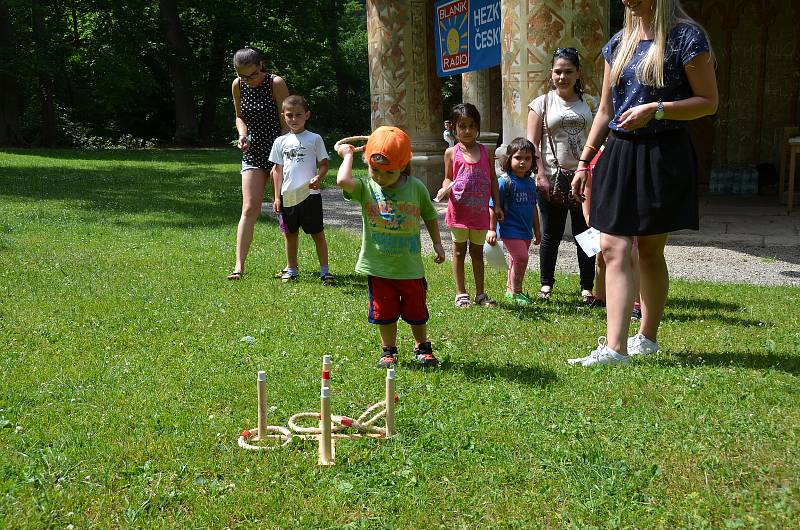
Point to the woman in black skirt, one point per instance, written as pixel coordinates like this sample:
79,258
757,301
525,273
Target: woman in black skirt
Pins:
659,74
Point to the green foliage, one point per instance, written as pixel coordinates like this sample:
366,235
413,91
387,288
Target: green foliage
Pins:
126,382
112,79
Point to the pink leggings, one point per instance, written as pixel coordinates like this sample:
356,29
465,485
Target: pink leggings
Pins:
517,262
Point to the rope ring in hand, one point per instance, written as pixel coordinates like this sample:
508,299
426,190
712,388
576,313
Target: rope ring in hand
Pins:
279,433
350,140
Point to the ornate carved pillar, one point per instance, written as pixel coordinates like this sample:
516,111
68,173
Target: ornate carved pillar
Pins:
531,30
482,88
404,88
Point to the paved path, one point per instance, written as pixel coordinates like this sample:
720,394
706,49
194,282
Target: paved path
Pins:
745,240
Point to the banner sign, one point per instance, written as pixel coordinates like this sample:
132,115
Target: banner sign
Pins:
467,35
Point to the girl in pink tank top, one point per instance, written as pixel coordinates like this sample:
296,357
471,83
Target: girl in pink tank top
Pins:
469,182
468,206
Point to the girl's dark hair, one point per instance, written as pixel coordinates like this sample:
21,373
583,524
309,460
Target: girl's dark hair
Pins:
467,110
519,144
571,55
247,56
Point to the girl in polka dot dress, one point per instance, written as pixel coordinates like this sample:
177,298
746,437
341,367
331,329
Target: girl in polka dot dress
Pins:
257,96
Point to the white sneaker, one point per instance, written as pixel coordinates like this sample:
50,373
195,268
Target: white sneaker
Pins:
641,345
602,355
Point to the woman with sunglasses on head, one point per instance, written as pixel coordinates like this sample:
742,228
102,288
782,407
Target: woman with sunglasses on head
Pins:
257,96
560,136
659,74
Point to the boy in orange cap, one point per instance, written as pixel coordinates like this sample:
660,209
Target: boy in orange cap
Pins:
392,204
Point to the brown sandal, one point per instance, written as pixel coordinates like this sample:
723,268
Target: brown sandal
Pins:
484,300
235,275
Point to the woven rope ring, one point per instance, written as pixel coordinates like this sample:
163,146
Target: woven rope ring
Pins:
278,434
351,140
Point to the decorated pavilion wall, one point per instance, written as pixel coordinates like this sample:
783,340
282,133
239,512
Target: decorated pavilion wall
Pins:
757,46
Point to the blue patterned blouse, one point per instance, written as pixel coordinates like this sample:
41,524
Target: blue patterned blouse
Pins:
684,43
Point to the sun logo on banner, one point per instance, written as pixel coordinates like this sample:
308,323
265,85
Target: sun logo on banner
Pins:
453,25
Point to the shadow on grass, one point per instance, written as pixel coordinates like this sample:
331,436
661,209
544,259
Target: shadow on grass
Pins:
722,319
482,371
676,311
706,304
775,361
352,284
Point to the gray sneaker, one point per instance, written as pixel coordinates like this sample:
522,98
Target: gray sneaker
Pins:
641,345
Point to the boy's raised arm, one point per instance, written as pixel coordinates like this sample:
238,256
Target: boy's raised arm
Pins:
344,178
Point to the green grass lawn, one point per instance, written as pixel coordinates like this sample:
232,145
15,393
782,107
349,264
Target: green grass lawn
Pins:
125,381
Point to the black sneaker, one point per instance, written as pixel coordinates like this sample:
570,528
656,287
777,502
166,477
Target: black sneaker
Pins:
636,313
388,358
424,356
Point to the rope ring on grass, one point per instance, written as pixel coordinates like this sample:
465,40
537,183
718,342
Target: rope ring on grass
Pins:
279,434
363,424
350,140
298,429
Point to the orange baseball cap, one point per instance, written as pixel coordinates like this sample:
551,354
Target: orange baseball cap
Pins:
388,148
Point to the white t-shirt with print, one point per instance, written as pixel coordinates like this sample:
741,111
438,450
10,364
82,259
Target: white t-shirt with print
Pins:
298,155
569,123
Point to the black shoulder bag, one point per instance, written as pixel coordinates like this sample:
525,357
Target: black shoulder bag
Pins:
561,179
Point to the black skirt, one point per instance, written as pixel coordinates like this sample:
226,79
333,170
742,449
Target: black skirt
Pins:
645,185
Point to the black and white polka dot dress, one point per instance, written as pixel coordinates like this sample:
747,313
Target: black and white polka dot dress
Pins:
263,123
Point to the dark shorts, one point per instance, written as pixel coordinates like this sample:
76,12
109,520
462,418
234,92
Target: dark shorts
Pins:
306,215
645,185
391,299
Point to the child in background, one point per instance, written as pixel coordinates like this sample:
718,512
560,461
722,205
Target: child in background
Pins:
297,198
469,181
448,134
521,223
392,204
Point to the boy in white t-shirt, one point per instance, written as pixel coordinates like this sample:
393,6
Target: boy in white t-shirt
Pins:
298,202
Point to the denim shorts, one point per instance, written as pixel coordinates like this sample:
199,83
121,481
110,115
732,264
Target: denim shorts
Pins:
247,167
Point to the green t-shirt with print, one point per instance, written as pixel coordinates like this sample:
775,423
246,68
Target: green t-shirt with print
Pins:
390,240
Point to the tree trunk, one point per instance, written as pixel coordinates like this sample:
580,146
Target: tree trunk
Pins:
180,69
338,66
9,93
46,98
211,94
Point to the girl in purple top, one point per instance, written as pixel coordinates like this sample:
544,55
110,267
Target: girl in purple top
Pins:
470,181
659,74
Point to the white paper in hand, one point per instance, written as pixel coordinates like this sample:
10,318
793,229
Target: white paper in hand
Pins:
589,241
443,193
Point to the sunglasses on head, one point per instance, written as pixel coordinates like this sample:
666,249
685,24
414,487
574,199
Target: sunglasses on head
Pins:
566,51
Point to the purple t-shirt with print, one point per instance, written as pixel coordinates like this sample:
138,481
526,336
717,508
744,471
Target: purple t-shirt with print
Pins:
684,43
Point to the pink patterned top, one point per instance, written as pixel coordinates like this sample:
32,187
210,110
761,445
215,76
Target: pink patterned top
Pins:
468,206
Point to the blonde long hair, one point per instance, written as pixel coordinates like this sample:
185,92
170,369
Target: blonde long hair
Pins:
650,71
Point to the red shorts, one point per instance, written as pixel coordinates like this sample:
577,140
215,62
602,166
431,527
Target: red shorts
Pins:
391,299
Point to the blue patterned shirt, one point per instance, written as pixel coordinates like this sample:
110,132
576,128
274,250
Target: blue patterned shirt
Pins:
684,43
